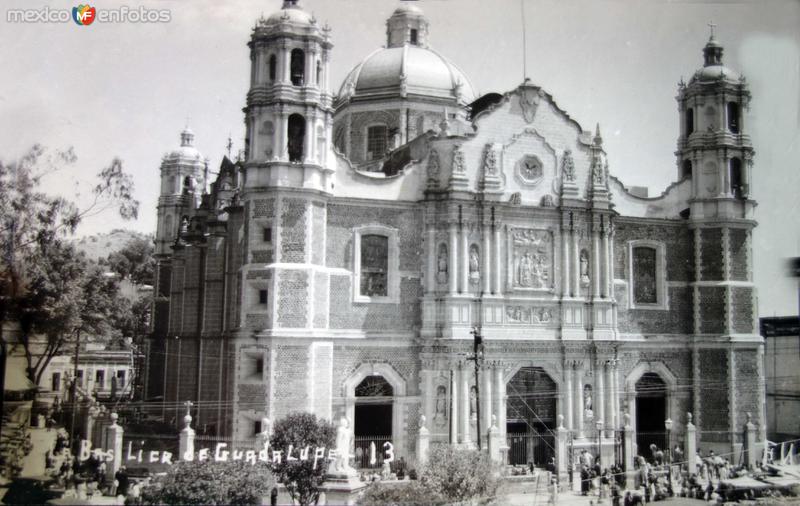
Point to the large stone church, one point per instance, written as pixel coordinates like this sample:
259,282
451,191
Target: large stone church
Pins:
342,264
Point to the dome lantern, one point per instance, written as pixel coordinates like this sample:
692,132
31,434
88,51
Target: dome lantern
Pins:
407,25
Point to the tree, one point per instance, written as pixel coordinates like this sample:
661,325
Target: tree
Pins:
134,261
211,482
459,475
300,477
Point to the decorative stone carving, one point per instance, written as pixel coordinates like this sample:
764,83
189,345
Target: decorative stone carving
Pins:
516,199
473,403
584,267
568,167
588,413
440,417
599,173
532,260
441,265
547,201
522,314
530,170
490,161
433,168
458,160
529,100
474,266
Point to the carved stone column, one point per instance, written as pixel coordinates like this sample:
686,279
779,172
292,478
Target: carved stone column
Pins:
486,400
487,263
430,277
578,382
576,265
308,148
500,400
596,264
464,263
282,128
286,63
453,405
452,268
464,415
606,265
600,398
497,276
612,392
568,387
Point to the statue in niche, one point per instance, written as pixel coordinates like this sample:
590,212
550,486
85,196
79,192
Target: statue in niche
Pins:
587,402
184,226
529,101
490,162
474,266
458,160
433,167
473,402
568,167
542,316
584,267
441,265
439,418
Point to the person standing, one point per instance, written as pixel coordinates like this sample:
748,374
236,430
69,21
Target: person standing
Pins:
123,481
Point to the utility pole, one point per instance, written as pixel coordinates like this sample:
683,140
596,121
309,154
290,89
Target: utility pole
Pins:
477,357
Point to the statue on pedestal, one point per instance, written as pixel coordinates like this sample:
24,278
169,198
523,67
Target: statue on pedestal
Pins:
344,438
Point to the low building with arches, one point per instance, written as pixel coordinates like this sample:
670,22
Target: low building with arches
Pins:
342,264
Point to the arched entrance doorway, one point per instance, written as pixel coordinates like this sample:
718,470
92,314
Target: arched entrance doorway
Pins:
373,418
651,412
531,417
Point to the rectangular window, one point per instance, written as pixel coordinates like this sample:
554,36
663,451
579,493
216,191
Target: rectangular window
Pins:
257,427
100,378
644,276
259,366
413,37
376,142
374,265
120,379
262,296
55,386
266,234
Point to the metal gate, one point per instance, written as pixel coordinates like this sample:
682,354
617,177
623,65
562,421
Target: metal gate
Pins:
530,447
364,447
645,439
619,448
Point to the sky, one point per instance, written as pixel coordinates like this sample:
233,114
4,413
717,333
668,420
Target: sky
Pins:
128,89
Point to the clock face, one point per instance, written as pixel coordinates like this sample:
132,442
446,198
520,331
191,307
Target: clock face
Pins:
530,169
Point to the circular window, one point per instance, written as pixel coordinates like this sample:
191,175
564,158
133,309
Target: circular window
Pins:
530,169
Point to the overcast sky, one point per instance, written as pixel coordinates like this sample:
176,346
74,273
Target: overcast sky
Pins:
128,89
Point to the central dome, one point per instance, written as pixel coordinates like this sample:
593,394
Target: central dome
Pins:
407,70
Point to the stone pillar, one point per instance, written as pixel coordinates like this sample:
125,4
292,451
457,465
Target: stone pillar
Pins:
403,125
311,68
606,265
576,265
428,394
596,264
486,400
463,264
617,410
561,450
487,263
453,406
628,458
568,388
600,398
464,415
308,148
690,445
611,392
430,276
452,269
286,60
282,148
423,441
565,279
750,443
186,443
578,414
348,134
501,402
113,441
498,263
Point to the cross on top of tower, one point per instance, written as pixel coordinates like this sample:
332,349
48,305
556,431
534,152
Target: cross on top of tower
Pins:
711,25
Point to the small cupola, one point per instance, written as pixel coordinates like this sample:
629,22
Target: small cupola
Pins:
407,25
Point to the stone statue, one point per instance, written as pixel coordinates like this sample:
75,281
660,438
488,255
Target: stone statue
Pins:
433,167
525,275
441,265
474,266
490,162
584,267
568,167
441,406
473,401
344,437
262,438
458,160
587,402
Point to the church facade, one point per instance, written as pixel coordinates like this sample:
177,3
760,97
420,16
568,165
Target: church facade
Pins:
343,264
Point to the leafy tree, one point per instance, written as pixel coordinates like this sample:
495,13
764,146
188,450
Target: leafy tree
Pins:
459,475
134,261
301,479
211,482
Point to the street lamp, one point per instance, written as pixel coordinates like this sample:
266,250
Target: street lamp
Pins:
668,426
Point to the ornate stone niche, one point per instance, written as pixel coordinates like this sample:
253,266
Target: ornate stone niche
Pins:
531,259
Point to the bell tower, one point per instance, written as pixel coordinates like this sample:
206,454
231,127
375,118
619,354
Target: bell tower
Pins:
714,149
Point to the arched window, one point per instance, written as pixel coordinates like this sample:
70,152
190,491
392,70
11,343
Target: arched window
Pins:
645,290
689,121
297,134
374,265
413,37
711,118
687,168
737,189
319,72
376,141
188,187
298,67
273,67
733,117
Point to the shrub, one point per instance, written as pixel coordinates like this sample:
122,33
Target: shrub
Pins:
410,493
211,482
459,475
301,479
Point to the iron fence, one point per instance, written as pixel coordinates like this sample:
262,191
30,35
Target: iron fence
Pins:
530,447
369,451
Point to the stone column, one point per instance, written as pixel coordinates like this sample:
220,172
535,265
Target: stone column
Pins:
403,125
498,263
568,387
113,441
561,450
348,134
578,382
628,460
495,444
452,268
611,391
486,400
308,148
606,265
565,278
600,398
615,379
500,401
282,127
285,64
430,281
576,265
463,264
487,263
311,69
428,394
690,445
464,415
596,264
453,406
750,443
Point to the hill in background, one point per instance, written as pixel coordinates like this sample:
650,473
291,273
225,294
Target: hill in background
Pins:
101,245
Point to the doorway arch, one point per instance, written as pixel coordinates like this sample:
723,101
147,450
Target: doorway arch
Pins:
650,388
531,411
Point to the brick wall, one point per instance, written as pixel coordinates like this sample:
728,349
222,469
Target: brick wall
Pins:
747,387
738,254
712,310
711,254
293,298
677,319
714,405
676,237
742,310
294,214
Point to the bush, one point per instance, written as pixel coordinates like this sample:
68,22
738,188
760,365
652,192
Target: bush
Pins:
211,482
409,493
459,475
301,479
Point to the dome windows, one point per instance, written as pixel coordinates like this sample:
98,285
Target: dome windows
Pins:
273,67
686,169
297,67
737,182
733,117
377,141
689,121
297,134
413,37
